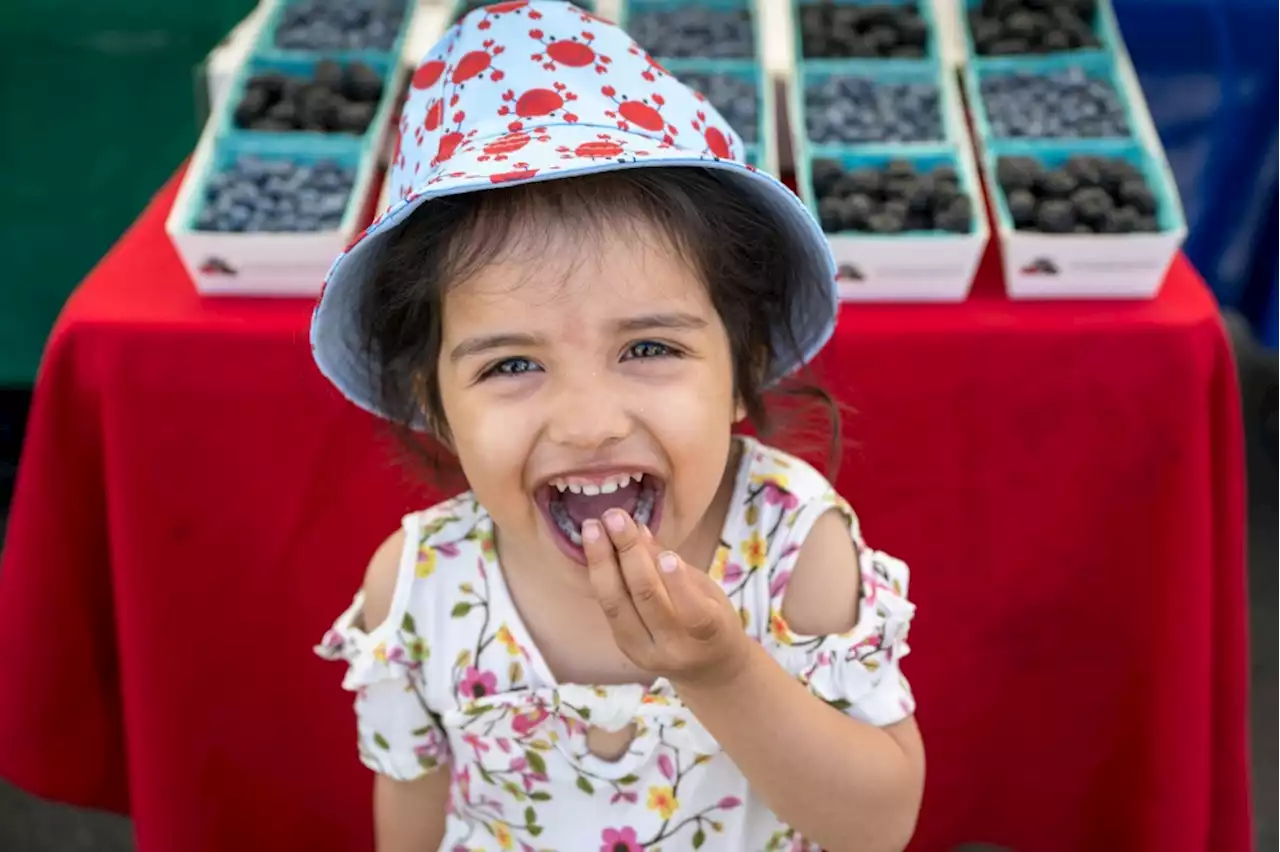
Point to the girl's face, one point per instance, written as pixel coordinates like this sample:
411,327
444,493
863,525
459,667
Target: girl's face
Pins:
575,379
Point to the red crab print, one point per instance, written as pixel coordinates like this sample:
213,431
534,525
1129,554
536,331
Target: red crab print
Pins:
535,103
498,149
603,147
521,171
497,10
718,143
641,114
450,141
428,74
477,62
435,114
655,70
575,52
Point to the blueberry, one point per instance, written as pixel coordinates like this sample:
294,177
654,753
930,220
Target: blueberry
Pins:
1060,104
824,174
1057,184
736,98
862,31
693,31
832,214
852,109
1017,173
886,222
340,24
957,217
257,194
1135,193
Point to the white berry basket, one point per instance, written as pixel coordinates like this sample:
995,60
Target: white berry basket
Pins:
914,266
264,263
1088,266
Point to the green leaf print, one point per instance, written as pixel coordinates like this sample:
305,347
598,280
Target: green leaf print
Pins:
840,704
408,624
460,609
585,786
540,796
530,816
421,732
628,779
699,838
535,830
488,779
381,742
536,763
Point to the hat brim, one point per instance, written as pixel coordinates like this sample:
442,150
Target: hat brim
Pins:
335,336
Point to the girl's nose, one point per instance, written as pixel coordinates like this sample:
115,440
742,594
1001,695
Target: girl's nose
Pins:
587,414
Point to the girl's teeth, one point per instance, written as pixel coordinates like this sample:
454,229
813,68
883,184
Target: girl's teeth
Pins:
590,489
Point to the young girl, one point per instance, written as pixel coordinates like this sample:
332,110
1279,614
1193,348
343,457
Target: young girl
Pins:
635,630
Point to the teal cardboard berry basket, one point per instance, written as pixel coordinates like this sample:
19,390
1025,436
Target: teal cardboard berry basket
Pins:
266,46
933,47
1088,266
630,8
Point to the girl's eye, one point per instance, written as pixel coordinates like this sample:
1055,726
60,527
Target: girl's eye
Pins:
511,367
648,349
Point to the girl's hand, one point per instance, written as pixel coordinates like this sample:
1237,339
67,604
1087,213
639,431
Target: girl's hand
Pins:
668,618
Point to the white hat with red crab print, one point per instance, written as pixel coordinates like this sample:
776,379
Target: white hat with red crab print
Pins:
533,90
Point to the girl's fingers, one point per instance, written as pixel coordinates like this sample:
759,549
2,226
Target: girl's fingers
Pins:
640,574
695,612
611,591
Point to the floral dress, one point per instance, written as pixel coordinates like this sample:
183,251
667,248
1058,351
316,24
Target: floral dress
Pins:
452,681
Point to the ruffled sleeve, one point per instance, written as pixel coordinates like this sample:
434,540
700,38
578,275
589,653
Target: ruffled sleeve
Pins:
857,672
398,735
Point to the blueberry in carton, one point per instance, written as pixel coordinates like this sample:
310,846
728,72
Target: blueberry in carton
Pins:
1050,98
1030,27
262,215
903,227
465,7
859,104
856,29
1100,220
336,28
712,29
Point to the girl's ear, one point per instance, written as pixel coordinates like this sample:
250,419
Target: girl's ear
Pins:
739,412
436,424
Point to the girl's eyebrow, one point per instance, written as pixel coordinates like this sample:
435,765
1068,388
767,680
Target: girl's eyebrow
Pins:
473,346
675,321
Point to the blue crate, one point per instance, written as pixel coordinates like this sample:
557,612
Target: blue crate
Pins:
1169,215
923,160
933,51
1208,71
760,152
1103,26
271,146
881,71
266,46
298,66
1097,66
632,6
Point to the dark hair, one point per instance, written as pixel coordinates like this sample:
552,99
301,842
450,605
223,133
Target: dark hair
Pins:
708,216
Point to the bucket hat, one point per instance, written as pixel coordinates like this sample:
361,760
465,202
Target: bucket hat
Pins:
534,90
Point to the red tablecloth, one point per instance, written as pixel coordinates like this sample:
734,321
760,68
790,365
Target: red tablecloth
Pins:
195,505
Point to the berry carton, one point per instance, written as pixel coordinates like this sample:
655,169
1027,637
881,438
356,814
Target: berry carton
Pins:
262,263
277,23
1128,261
935,263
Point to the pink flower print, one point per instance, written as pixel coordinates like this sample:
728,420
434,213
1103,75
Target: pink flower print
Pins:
620,840
778,584
523,723
732,572
666,767
332,640
478,684
624,796
449,549
477,745
775,496
519,764
728,803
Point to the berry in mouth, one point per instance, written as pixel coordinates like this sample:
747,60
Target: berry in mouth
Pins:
569,504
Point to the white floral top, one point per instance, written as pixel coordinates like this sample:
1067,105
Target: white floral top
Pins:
453,678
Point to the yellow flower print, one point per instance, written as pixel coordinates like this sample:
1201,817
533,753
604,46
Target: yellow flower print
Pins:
718,562
380,652
486,545
777,480
663,800
502,833
508,641
779,629
426,562
754,550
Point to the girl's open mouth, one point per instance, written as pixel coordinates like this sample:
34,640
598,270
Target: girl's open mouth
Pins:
567,503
